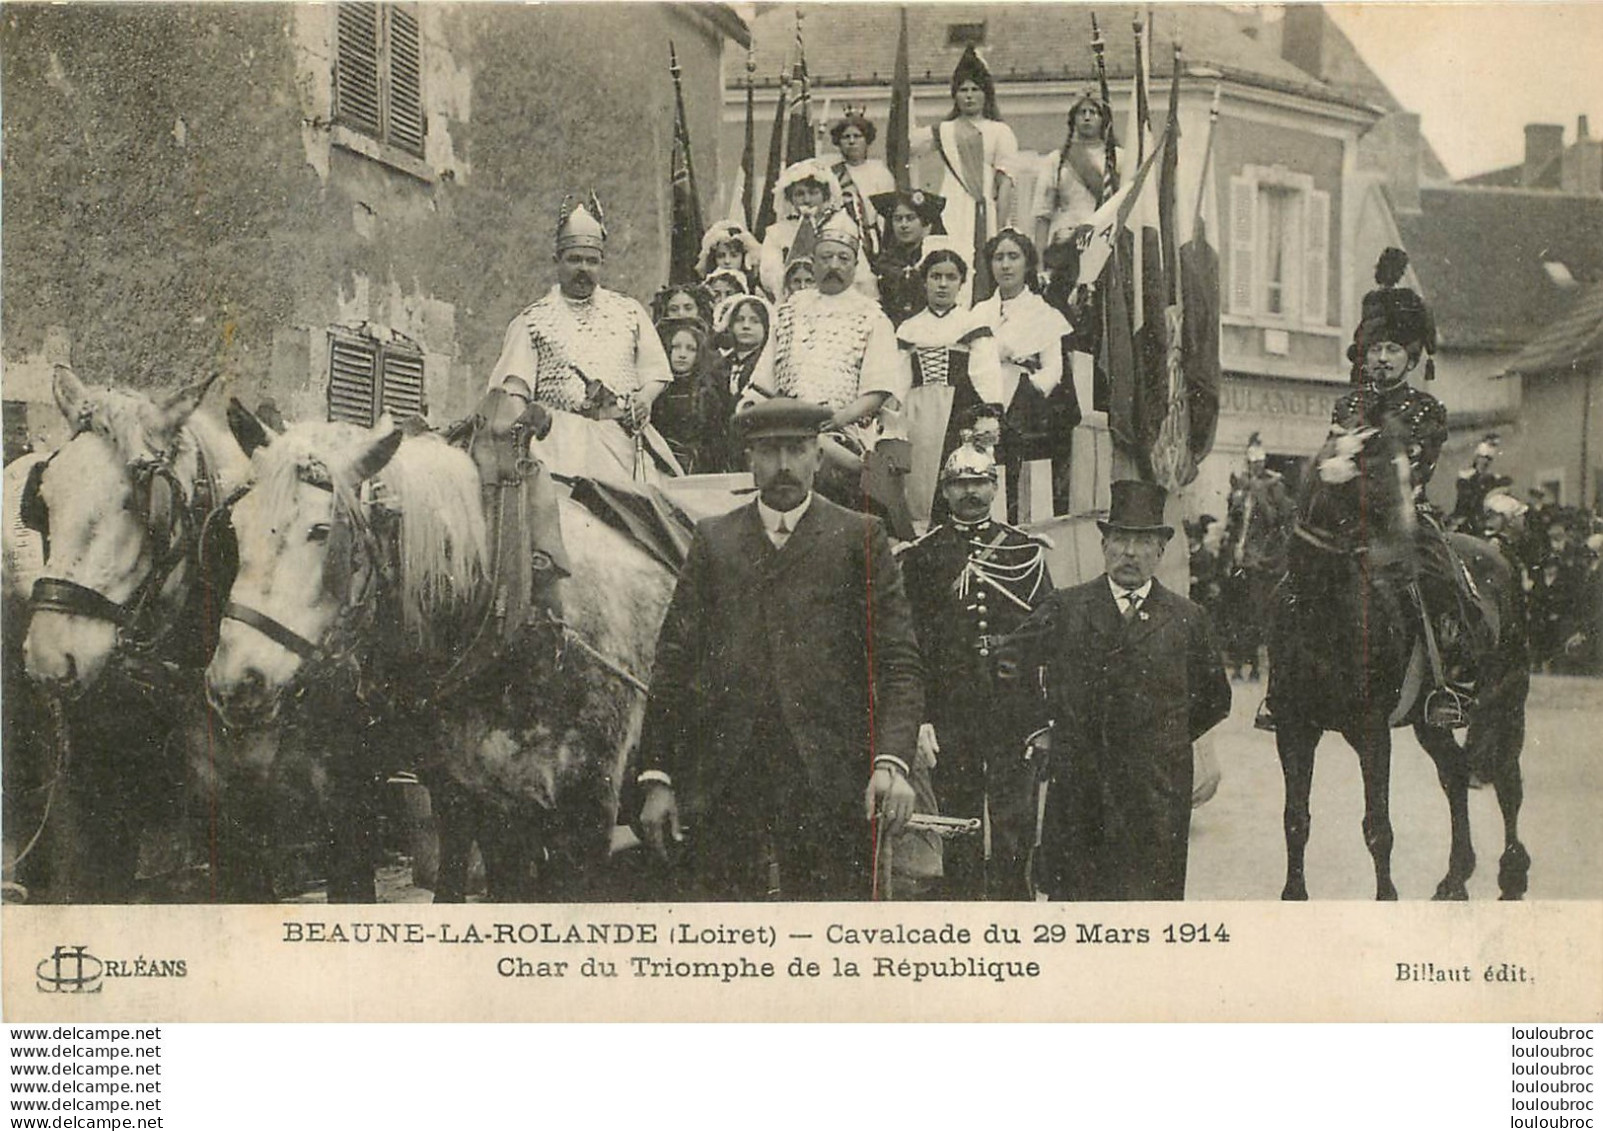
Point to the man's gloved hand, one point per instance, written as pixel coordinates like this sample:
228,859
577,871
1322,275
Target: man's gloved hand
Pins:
928,747
659,818
889,796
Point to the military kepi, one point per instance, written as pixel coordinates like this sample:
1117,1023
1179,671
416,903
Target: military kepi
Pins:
781,418
1137,508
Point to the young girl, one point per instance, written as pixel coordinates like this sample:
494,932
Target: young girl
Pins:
728,246
677,302
809,191
724,282
681,412
1029,340
955,368
743,323
798,276
912,230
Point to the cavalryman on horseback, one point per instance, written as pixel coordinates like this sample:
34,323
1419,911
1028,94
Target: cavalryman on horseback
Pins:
1396,330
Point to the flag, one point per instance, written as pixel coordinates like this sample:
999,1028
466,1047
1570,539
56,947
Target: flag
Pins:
899,130
1165,384
685,246
1199,290
766,209
799,145
743,201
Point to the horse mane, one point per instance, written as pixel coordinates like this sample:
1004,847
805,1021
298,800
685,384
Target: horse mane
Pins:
128,421
442,548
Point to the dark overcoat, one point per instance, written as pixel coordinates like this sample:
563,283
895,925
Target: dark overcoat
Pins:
1127,700
819,631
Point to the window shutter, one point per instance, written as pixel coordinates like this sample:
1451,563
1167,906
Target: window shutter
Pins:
352,380
406,125
1316,258
356,68
1243,209
402,383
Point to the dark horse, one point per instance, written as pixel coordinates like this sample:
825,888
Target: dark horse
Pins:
1348,654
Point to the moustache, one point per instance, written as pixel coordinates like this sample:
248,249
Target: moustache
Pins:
836,276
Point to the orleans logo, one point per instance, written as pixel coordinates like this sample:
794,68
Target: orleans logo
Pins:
70,970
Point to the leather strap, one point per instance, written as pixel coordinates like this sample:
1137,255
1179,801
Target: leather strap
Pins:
273,630
57,594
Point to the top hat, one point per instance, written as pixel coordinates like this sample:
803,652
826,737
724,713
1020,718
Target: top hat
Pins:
781,418
1137,508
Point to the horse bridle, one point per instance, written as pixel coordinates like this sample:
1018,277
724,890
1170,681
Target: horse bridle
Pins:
139,630
366,574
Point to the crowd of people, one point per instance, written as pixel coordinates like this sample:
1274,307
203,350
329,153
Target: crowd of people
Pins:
948,307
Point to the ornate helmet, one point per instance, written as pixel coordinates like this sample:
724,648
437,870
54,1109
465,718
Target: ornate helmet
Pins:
581,224
839,227
1394,314
852,116
968,462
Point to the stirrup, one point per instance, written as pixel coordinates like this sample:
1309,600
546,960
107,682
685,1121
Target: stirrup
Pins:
1265,718
1448,708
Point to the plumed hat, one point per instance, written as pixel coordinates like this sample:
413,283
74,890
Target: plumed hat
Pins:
1394,314
928,205
1136,508
968,462
728,231
1255,449
581,224
852,116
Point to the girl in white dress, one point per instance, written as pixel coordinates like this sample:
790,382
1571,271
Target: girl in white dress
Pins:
977,151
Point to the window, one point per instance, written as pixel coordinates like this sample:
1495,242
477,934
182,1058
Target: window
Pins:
1279,247
367,378
965,35
378,74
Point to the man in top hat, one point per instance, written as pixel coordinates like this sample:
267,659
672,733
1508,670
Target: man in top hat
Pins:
913,229
1132,679
592,358
971,581
786,697
860,176
1474,483
832,345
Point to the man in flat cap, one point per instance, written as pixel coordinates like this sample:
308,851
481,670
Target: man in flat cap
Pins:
786,697
1132,679
971,581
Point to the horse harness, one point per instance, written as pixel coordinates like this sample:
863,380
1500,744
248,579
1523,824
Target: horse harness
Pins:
174,528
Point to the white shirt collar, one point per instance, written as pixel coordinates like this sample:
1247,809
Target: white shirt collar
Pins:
1120,592
771,517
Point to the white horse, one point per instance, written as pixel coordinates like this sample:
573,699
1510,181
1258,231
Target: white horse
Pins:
365,579
104,568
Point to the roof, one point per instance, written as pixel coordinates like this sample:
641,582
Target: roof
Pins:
1567,345
1478,254
856,43
723,17
1513,176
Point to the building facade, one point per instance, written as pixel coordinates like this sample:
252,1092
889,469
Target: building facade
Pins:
336,206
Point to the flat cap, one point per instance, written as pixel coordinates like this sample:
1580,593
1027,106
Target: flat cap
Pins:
781,417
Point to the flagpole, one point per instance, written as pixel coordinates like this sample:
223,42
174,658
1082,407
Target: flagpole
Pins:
1207,155
748,159
1110,151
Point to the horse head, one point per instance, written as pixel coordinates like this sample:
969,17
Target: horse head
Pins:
112,509
305,555
1360,499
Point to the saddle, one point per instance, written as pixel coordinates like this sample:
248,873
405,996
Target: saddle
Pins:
1461,629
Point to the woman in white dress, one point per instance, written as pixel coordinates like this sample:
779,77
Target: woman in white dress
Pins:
977,151
1029,341
1067,197
954,367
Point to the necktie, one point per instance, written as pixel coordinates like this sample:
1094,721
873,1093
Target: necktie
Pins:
781,532
1132,605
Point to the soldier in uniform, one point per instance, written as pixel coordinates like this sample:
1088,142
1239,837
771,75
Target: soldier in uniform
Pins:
1474,483
970,582
1261,510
